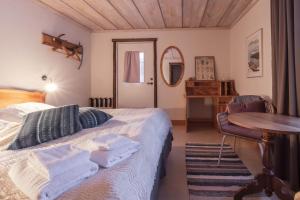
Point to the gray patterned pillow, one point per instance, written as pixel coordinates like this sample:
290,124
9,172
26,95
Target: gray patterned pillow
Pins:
46,125
92,117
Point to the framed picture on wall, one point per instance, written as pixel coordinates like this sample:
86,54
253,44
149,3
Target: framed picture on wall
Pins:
254,55
205,67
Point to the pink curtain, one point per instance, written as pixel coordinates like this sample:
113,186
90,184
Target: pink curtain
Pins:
132,67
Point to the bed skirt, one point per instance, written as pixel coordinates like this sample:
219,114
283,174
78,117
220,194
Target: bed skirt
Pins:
161,168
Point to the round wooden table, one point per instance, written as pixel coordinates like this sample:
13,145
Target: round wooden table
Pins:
271,125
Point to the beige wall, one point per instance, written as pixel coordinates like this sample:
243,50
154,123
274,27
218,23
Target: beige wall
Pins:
23,59
258,17
191,43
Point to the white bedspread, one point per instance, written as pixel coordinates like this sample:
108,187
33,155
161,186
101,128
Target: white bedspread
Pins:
131,179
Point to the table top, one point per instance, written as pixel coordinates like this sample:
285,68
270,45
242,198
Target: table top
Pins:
272,123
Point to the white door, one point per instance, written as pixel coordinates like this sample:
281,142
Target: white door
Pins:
136,95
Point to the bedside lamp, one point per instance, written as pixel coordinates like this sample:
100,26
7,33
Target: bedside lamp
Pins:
50,86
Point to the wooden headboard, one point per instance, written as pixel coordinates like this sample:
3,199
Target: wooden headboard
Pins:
13,96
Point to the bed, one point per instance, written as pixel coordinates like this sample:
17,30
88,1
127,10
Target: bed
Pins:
136,178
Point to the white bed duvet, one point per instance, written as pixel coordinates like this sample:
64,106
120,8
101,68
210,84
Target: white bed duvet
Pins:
131,179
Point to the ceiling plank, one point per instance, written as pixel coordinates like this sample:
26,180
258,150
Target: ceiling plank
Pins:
172,12
109,12
244,12
130,12
233,12
82,7
193,11
150,11
65,10
215,10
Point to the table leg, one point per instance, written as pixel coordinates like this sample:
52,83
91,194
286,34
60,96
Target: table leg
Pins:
257,185
267,162
282,190
267,180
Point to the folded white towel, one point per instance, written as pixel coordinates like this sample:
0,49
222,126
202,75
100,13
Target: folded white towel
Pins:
54,161
37,187
107,142
109,149
110,158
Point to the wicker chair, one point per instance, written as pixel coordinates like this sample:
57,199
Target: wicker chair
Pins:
228,129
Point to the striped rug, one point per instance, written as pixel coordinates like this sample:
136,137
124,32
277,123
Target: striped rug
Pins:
207,181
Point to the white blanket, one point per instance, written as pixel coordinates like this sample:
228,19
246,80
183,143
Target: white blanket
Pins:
8,131
131,179
38,187
54,161
109,149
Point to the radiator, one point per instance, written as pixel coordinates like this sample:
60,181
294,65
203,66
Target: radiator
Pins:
101,102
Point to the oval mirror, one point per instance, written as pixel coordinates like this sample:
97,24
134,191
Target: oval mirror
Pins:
172,66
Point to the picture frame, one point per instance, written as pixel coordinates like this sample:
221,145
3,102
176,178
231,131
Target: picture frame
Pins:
205,68
254,55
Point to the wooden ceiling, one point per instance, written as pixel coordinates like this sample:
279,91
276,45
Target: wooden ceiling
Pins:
100,15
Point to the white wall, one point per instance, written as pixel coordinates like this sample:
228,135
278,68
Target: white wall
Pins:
258,17
23,59
191,43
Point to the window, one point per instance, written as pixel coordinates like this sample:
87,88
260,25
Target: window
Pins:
142,67
134,67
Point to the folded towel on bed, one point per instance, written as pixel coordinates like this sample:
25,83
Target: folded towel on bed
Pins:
53,161
38,187
107,142
109,149
110,158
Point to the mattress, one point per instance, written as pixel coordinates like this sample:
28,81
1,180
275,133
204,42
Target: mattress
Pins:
132,179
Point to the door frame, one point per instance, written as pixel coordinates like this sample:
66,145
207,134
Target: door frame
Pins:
124,40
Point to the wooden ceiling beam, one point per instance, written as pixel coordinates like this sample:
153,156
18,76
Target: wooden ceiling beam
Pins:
132,26
193,11
140,13
99,15
104,8
233,12
244,12
151,13
172,12
69,12
130,12
162,14
181,13
229,10
204,11
84,8
214,12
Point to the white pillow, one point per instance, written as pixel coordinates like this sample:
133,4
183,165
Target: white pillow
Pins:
11,115
29,107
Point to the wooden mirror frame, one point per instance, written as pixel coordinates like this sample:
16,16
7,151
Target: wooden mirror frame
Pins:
161,66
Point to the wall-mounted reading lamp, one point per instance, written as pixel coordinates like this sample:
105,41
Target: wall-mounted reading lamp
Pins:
50,86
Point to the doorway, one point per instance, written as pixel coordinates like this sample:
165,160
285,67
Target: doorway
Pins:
135,75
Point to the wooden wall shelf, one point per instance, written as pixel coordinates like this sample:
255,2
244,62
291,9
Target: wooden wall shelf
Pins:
73,51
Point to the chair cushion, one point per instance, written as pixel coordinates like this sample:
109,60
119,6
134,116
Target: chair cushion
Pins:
255,106
235,108
241,131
